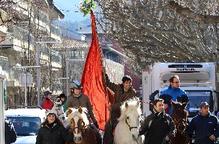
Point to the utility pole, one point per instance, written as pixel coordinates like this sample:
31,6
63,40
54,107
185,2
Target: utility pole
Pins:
2,108
37,58
25,82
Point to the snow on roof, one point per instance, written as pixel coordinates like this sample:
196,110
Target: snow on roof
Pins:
27,112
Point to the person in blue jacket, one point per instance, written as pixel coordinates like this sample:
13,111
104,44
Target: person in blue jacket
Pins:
173,93
204,126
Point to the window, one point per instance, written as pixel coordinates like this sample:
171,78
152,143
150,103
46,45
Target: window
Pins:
25,126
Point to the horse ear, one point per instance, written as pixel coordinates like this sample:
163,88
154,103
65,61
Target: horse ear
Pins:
68,112
126,105
80,110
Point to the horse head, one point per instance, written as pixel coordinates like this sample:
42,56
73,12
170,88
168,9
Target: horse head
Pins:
78,122
130,116
180,116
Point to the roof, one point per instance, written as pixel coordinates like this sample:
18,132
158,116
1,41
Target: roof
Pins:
26,112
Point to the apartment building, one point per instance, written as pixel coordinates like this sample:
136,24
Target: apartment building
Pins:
27,45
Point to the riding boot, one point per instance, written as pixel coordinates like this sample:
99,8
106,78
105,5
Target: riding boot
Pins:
108,134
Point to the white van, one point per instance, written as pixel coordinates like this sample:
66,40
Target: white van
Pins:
26,122
197,79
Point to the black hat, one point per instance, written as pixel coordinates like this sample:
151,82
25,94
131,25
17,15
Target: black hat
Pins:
46,93
126,78
204,104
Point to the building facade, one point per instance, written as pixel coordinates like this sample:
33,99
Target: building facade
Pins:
31,63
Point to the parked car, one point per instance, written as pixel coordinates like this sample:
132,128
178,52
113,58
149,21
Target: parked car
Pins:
26,122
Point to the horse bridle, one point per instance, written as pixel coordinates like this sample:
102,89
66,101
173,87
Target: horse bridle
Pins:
83,126
130,128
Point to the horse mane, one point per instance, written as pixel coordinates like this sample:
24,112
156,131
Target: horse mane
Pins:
129,106
179,105
75,112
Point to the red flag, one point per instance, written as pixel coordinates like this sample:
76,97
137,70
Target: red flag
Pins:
92,79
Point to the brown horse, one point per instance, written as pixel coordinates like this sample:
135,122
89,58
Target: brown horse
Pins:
79,125
180,119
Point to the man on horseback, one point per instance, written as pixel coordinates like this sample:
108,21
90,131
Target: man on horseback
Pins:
78,99
157,126
173,93
122,92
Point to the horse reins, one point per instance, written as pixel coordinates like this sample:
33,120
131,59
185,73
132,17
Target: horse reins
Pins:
130,128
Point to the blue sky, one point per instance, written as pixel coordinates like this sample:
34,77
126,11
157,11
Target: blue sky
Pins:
71,9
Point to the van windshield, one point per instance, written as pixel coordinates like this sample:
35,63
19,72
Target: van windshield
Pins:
196,97
25,126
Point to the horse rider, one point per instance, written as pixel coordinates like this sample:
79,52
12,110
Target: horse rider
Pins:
158,126
173,93
78,99
47,102
205,125
122,92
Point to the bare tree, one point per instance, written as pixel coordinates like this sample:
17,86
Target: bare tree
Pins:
163,30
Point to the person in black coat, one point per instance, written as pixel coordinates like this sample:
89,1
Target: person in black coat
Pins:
158,126
10,134
205,125
52,131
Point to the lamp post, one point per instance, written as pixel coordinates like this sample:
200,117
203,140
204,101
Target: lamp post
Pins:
2,123
38,80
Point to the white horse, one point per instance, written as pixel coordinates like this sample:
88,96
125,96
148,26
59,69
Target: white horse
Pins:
127,130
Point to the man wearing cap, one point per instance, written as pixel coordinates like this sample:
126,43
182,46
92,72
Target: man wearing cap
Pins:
205,125
78,99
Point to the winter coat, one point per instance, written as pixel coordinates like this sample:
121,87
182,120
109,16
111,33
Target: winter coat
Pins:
55,134
204,126
120,96
10,134
170,94
173,92
47,103
83,101
156,127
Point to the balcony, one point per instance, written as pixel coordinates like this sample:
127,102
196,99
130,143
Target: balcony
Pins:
56,59
55,32
21,7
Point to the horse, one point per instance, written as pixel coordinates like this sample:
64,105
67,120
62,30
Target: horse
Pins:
180,120
79,125
127,129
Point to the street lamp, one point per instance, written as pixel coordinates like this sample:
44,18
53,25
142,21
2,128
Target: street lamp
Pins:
2,123
38,63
